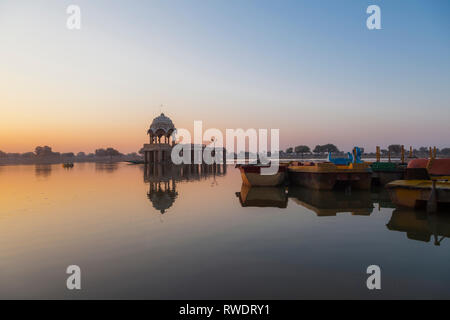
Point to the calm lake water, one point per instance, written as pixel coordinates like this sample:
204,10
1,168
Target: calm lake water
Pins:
187,233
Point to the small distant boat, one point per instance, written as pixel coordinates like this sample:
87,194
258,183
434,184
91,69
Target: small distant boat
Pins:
251,175
67,165
326,175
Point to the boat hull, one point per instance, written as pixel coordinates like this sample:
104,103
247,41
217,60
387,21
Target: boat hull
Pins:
416,193
253,179
325,176
384,177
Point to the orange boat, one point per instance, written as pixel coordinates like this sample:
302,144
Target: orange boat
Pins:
430,190
326,175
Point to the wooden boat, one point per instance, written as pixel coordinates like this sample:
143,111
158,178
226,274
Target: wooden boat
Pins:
417,193
275,197
136,161
67,165
326,175
431,192
251,175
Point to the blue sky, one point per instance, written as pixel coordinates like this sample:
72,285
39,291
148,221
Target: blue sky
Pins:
310,68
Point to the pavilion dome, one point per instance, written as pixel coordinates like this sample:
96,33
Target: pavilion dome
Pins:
161,126
162,200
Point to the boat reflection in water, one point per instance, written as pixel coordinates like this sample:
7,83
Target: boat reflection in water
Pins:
163,178
332,202
322,202
275,197
380,198
420,226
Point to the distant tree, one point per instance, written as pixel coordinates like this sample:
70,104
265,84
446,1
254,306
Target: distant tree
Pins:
302,149
289,150
68,155
3,154
28,155
101,153
395,148
45,151
383,151
423,149
445,151
329,147
81,154
112,152
14,155
141,151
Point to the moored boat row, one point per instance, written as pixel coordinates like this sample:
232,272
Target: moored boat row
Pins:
426,185
326,175
421,183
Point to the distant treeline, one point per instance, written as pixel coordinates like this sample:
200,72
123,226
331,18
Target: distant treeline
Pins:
45,154
394,149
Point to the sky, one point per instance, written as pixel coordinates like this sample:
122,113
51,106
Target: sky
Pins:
309,68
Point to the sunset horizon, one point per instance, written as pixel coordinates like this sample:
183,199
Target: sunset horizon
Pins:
224,159
103,84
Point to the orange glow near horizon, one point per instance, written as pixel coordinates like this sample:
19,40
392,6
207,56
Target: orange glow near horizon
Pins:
102,86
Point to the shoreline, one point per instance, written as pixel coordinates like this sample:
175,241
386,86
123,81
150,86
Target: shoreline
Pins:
15,162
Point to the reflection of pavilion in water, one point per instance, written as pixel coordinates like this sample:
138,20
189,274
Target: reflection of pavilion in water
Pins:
420,226
163,178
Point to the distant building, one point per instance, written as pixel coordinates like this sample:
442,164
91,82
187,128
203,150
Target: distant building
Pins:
161,141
